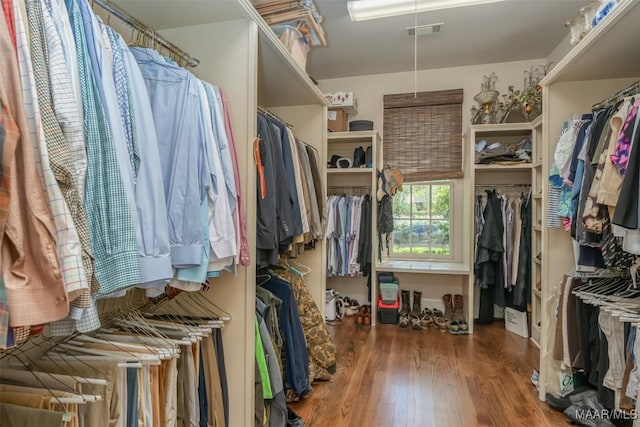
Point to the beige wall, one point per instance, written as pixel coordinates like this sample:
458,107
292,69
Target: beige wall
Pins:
369,89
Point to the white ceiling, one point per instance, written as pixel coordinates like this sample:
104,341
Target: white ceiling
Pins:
499,32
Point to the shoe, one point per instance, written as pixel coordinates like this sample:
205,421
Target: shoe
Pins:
443,321
366,320
416,321
403,317
359,318
427,318
458,326
358,157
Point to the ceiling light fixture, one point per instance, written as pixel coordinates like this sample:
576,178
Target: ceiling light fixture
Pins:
362,10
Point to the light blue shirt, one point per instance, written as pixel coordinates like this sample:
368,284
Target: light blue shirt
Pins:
173,94
155,252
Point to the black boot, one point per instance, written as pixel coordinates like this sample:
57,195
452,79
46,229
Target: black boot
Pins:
416,322
403,319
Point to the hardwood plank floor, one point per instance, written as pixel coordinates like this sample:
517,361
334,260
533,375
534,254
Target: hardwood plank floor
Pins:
393,377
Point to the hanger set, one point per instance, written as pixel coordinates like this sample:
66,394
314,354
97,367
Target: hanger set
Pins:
147,36
130,338
612,291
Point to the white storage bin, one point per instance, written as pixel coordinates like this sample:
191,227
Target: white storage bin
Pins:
295,43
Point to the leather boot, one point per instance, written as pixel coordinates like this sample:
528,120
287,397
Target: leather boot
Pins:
416,322
403,320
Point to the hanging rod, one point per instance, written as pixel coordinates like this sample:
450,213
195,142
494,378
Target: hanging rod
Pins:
133,22
268,113
629,90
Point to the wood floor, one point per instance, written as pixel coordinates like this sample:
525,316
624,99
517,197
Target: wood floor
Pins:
393,377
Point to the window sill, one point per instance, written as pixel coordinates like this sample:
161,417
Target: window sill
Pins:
425,267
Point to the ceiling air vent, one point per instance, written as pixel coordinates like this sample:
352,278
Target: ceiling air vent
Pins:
423,30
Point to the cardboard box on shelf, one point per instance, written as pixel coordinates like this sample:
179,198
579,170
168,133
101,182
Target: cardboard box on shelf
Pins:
337,120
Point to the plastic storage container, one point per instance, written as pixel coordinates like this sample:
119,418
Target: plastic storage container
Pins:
388,313
295,43
389,292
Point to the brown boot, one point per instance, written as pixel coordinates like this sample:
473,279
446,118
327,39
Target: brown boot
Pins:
416,321
443,322
403,319
458,326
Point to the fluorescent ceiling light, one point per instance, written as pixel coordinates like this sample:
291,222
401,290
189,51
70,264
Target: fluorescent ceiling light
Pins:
361,10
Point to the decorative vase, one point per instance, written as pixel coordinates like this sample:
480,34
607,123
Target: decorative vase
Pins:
589,12
487,99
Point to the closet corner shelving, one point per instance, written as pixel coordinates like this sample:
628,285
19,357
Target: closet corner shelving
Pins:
492,175
602,63
357,181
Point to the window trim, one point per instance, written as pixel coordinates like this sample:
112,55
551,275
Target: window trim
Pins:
453,251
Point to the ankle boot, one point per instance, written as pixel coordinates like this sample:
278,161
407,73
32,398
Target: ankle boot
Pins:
403,319
416,322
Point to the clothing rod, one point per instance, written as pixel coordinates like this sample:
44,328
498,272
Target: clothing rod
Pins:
133,22
629,90
273,116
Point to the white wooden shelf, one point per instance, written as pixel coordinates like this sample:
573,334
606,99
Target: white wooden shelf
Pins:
537,292
350,171
502,168
611,50
419,266
358,137
537,228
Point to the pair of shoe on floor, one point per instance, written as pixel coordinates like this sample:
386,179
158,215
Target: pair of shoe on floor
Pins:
363,317
451,320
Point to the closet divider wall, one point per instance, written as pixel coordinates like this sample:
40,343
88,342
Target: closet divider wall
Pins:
601,64
240,53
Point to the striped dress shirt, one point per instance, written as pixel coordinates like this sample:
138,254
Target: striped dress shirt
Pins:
113,236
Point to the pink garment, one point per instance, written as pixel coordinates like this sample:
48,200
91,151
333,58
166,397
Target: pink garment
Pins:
240,215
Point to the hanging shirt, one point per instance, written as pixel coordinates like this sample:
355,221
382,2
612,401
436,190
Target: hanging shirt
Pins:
173,94
51,74
113,236
155,252
30,266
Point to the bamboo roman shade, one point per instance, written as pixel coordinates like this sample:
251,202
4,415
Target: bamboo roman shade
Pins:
423,134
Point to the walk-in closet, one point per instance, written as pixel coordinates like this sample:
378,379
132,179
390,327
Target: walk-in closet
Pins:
310,213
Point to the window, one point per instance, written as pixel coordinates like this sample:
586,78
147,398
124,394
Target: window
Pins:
421,221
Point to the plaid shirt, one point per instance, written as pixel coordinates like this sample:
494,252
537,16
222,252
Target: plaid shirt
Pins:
113,237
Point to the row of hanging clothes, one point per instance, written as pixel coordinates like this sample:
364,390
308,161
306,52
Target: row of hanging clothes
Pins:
293,345
119,170
161,364
290,200
502,266
595,180
348,234
595,341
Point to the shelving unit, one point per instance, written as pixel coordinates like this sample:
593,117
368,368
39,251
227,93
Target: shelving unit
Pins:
525,173
584,77
357,181
240,53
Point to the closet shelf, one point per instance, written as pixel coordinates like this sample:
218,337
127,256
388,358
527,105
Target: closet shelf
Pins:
537,164
537,196
537,293
537,228
359,137
350,171
502,168
537,122
608,51
537,261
